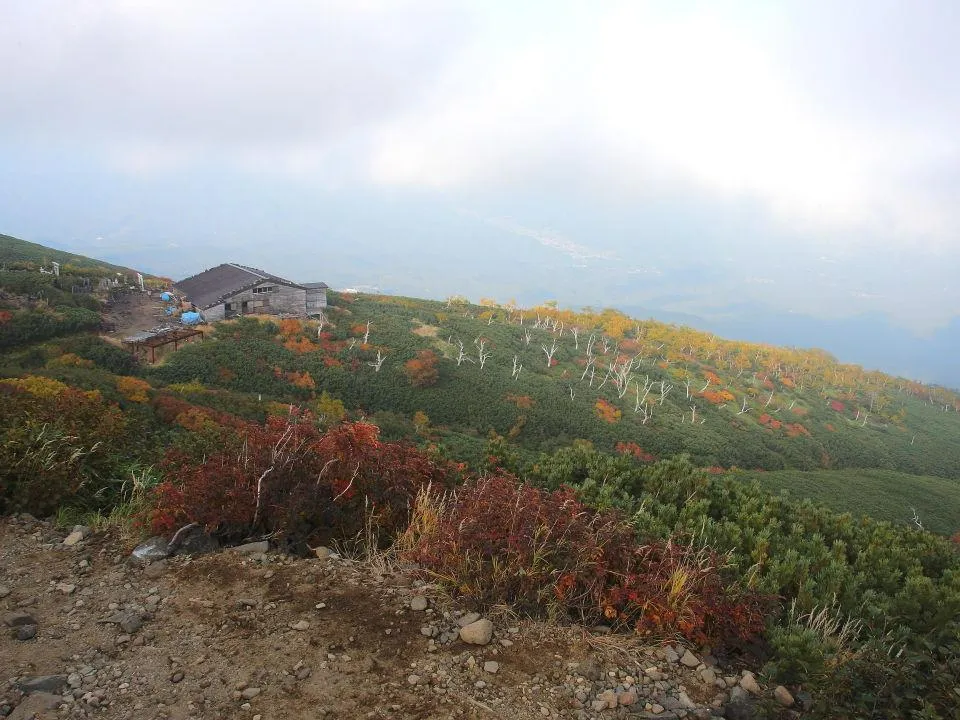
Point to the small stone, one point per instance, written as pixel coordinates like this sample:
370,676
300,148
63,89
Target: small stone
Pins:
131,622
738,694
590,669
300,626
598,705
783,696
323,553
670,655
249,693
477,633
609,699
123,639
491,666
72,539
627,698
749,683
468,619
4,591
155,569
303,673
685,701
176,677
418,603
708,676
413,679
689,659
26,632
656,709
66,588
18,618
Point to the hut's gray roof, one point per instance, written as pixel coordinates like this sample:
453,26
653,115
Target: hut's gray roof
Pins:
214,286
316,286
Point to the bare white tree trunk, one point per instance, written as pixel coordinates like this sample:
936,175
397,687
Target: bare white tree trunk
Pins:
378,363
549,352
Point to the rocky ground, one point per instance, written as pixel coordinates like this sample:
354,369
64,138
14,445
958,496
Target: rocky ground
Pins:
91,631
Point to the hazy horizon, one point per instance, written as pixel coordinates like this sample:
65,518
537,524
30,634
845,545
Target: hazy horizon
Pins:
750,165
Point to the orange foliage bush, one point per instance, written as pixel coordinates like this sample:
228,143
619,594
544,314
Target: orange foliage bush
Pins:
607,412
717,397
634,450
301,380
300,345
770,422
290,327
523,402
133,389
422,370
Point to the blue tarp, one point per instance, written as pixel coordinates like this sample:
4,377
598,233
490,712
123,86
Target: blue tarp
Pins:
190,318
166,297
168,311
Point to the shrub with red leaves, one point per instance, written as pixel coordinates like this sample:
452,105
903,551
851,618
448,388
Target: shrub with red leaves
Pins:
501,541
291,481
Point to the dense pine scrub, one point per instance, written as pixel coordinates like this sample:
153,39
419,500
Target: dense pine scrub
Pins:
616,443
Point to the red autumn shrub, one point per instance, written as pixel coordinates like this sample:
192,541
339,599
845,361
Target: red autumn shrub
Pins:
837,406
422,371
291,481
501,541
634,450
676,588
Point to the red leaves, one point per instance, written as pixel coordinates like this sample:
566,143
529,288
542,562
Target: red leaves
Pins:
422,371
290,480
504,541
837,406
634,450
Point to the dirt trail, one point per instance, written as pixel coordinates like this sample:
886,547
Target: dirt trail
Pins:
269,637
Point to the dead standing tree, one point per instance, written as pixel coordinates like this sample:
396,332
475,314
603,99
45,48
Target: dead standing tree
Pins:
484,353
549,352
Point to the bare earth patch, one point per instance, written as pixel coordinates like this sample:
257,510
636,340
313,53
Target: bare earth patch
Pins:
268,636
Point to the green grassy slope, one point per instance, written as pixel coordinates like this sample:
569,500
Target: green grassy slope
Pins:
804,411
14,250
881,494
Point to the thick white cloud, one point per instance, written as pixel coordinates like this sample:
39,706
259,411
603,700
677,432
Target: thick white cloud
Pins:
829,120
644,99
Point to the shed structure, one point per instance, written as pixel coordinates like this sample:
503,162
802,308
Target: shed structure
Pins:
231,289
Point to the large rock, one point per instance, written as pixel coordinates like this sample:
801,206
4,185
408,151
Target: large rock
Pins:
156,548
36,706
43,683
18,618
783,696
477,633
749,683
689,659
192,539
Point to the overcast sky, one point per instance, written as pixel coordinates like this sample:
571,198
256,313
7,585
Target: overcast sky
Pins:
691,156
